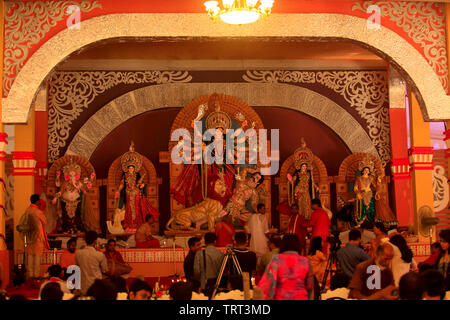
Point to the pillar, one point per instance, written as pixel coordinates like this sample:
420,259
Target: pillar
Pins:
41,140
420,157
447,124
24,162
401,174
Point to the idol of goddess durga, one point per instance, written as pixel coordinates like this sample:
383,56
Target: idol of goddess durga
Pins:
197,182
132,192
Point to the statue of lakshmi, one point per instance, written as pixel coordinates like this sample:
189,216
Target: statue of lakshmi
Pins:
132,192
301,184
73,206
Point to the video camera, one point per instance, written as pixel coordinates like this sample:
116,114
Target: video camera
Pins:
334,241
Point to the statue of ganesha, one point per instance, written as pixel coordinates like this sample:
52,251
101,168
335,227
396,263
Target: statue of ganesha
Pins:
71,199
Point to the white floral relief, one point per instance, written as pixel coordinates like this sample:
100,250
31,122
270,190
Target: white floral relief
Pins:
440,189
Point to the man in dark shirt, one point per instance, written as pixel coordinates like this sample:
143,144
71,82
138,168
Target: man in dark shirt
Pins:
246,258
352,254
195,245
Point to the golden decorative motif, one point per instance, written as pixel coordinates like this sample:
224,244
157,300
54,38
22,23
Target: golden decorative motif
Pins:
366,91
72,92
26,23
424,22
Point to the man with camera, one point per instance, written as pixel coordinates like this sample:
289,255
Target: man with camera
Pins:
352,254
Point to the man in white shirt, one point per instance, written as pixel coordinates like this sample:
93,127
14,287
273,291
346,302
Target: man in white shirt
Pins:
258,227
91,261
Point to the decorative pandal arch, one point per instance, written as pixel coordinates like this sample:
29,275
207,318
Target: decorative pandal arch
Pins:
347,171
320,175
93,194
150,179
230,105
285,27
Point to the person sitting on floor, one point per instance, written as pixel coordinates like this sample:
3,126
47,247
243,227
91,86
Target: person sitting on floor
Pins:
144,238
338,287
274,246
55,273
432,260
116,265
68,256
102,290
51,291
140,290
180,291
411,286
434,285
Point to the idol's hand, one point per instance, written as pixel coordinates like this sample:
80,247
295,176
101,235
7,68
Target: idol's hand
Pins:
141,186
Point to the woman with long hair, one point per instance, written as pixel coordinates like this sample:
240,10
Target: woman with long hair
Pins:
443,262
403,261
289,276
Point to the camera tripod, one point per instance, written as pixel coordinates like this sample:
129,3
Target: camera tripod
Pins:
229,253
332,260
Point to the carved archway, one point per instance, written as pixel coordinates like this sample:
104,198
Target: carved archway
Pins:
347,171
136,102
320,176
150,179
93,194
384,42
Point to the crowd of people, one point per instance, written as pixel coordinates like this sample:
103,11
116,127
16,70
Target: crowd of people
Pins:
286,267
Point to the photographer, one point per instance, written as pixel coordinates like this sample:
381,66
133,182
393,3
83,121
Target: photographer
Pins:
352,254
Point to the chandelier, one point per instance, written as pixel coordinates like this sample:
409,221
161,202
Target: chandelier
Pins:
239,11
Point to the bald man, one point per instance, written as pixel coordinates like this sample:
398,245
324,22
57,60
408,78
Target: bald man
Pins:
373,279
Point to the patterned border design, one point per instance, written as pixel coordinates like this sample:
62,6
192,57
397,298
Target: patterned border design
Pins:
72,92
26,23
424,22
366,91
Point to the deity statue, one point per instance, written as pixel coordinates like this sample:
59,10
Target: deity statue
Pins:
196,182
365,187
384,213
245,197
73,206
132,192
301,184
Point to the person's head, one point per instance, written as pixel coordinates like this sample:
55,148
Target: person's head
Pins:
240,239
435,248
102,290
274,242
339,280
294,208
303,167
411,286
354,236
55,271
149,219
379,228
34,199
210,238
72,245
227,218
316,245
400,242
111,245
91,238
365,171
140,290
131,169
261,208
180,291
257,178
444,240
434,284
290,242
120,283
315,204
52,291
194,244
384,255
